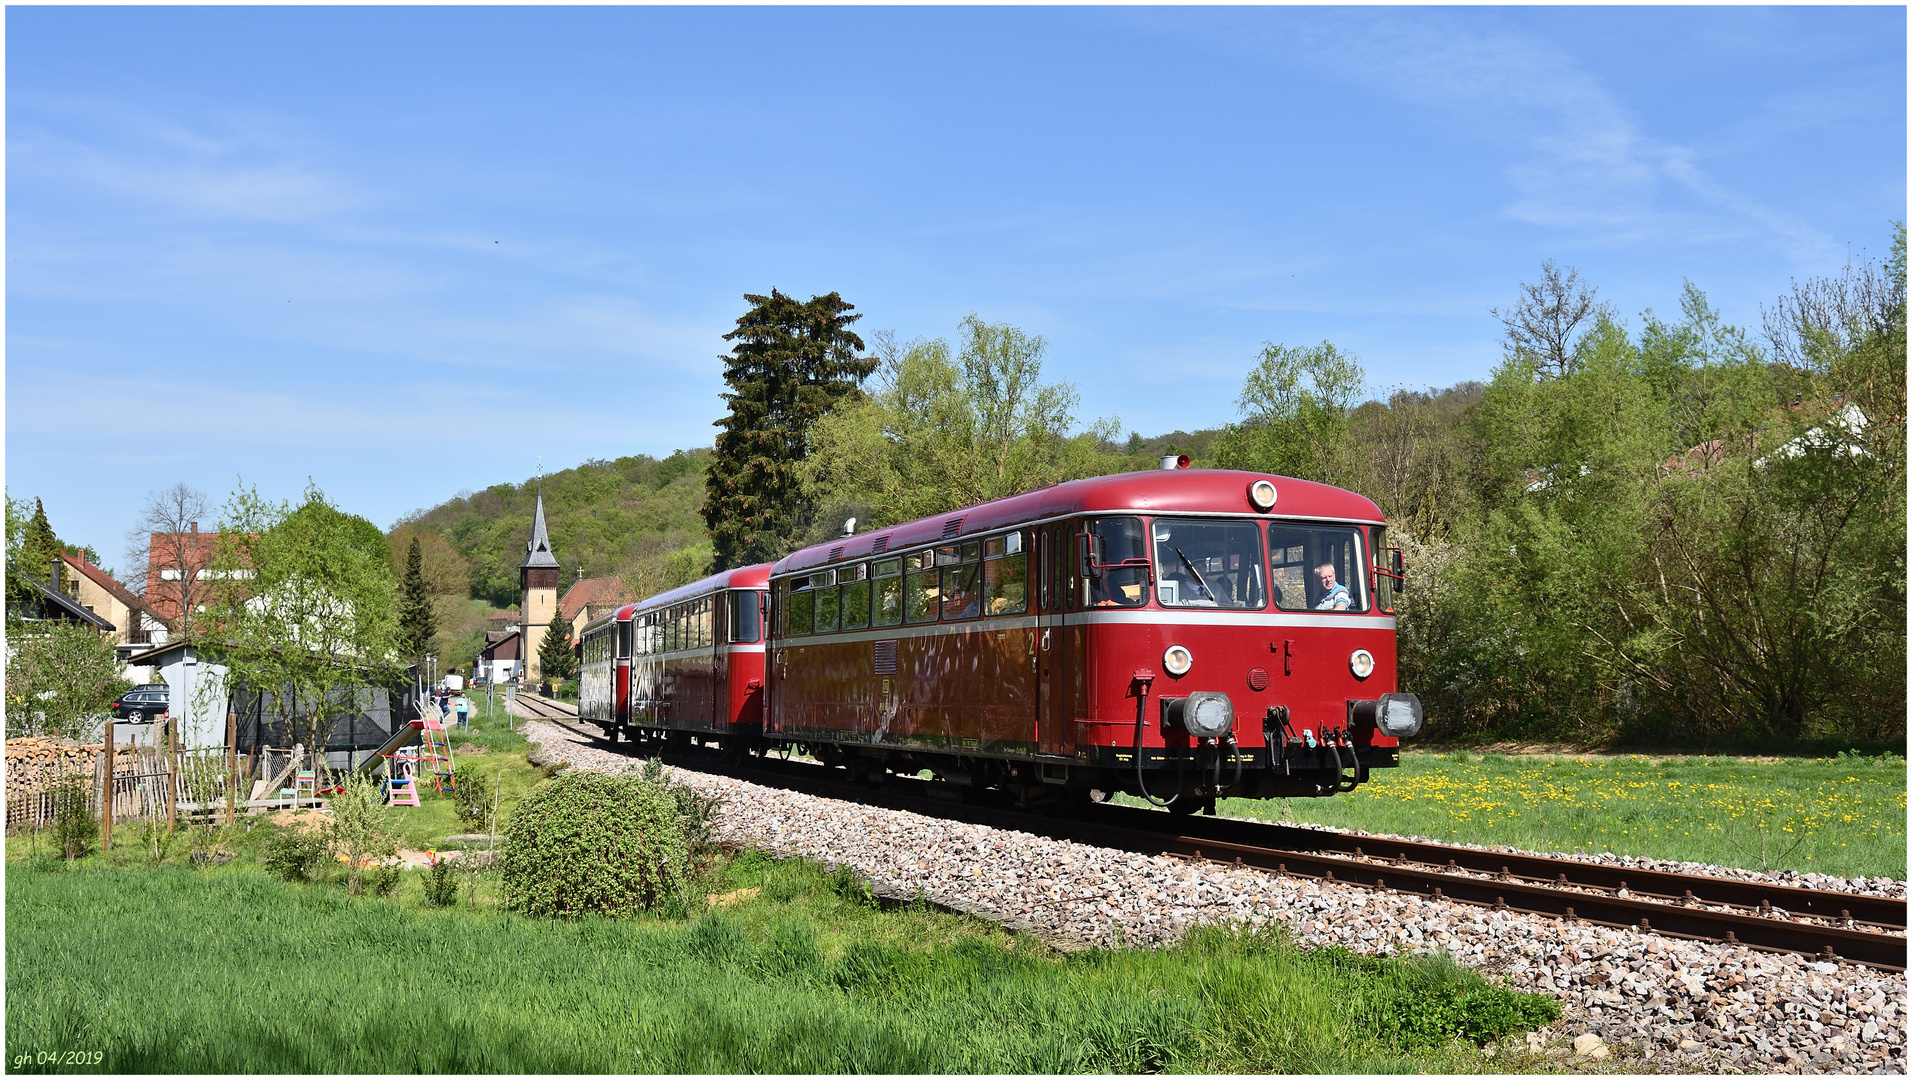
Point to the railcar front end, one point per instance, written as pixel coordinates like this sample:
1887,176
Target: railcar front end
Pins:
604,669
697,665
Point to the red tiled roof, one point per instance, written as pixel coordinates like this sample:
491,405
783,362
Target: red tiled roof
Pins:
590,591
105,581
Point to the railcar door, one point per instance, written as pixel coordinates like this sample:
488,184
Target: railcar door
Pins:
1053,735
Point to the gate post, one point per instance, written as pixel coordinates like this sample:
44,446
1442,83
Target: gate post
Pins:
232,765
172,774
106,792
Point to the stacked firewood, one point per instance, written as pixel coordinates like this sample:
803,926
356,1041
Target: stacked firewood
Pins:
34,763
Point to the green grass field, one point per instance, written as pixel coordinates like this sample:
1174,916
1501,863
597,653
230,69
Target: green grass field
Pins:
171,969
145,965
1839,815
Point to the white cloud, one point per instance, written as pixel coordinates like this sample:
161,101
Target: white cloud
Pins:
244,173
1578,158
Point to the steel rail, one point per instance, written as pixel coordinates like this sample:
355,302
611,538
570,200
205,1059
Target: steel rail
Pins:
1678,888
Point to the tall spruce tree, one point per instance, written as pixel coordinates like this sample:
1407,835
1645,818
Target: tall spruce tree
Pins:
555,658
417,623
790,364
39,547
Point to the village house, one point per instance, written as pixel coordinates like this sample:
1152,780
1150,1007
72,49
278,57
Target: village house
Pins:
588,598
135,624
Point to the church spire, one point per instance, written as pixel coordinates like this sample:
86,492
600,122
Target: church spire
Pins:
538,548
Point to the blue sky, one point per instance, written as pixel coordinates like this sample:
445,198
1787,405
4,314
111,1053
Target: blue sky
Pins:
406,251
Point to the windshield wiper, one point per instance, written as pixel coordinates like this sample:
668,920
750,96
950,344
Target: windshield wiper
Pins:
1199,583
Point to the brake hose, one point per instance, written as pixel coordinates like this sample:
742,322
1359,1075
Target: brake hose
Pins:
1141,715
1342,784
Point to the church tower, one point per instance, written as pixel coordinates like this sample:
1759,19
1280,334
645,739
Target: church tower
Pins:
537,591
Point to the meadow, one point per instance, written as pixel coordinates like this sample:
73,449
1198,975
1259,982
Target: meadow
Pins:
140,961
1842,815
797,969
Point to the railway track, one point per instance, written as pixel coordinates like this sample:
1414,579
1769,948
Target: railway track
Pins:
1826,925
545,709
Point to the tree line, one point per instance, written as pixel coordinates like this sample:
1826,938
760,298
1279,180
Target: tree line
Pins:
1677,532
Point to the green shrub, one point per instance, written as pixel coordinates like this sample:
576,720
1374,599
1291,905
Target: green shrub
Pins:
74,828
296,856
441,885
590,843
471,791
386,880
357,828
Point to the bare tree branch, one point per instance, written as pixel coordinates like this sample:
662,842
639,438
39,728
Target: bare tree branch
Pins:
1549,323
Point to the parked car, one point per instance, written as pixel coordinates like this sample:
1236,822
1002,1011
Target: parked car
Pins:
143,703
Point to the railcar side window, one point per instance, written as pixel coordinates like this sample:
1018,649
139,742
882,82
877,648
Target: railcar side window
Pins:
823,587
746,621
961,563
856,596
1207,563
1316,568
801,608
1005,575
623,640
922,588
706,633
1383,584
1115,541
889,591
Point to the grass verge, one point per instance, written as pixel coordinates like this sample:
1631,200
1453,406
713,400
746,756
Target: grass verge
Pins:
171,969
1843,815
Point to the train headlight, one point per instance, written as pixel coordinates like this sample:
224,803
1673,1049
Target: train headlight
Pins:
1203,714
1178,660
1361,663
1262,494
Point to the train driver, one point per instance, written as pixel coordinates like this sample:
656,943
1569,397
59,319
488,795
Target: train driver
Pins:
1334,597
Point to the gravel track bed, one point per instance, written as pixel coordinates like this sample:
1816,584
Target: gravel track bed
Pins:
1651,1004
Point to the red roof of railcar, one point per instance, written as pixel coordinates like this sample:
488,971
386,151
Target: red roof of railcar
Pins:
743,577
1212,491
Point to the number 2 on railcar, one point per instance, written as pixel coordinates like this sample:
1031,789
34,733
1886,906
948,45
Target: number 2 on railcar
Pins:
1171,634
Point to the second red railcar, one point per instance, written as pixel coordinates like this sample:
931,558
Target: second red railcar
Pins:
688,663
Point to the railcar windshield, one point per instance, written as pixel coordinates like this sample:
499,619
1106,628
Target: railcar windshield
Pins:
1208,563
746,624
1317,567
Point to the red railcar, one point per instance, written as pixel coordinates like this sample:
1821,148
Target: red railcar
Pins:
1237,628
604,669
696,661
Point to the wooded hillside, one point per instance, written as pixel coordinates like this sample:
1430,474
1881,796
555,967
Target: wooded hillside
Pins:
605,517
